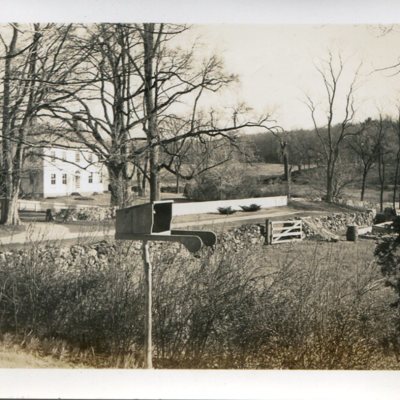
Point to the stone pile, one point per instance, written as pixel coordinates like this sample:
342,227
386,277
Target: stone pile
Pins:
329,226
242,237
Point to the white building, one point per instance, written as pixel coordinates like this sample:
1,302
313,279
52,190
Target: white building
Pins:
56,171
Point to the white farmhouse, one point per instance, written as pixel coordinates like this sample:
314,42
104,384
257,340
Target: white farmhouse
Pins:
57,171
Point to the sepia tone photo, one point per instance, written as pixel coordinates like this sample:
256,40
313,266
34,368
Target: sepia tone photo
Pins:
199,196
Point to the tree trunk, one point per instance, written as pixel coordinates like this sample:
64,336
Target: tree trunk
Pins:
139,183
396,177
381,172
381,190
178,165
363,183
151,115
286,166
154,178
10,215
177,183
287,172
329,183
119,186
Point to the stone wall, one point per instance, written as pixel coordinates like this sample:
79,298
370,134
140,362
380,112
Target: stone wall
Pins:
235,239
85,214
232,239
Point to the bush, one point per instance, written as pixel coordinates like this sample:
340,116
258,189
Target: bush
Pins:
231,181
65,214
74,297
307,307
251,207
388,256
380,218
226,210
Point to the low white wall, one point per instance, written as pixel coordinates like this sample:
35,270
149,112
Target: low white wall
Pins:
201,207
204,207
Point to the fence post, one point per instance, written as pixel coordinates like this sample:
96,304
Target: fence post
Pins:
268,238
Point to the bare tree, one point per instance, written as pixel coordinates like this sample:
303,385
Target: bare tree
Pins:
396,130
190,157
171,78
102,115
33,65
283,139
330,136
384,150
142,81
366,146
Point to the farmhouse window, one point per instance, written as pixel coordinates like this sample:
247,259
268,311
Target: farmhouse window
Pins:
77,156
53,179
90,177
64,179
53,155
90,157
64,155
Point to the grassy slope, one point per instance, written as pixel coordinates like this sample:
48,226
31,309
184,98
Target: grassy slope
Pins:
14,357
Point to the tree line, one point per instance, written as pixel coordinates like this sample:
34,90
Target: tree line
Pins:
374,146
346,150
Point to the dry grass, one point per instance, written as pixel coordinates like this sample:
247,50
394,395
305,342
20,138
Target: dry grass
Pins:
13,355
309,305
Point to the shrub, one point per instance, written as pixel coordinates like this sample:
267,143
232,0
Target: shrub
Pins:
73,296
388,256
288,307
251,207
65,214
82,215
226,210
231,181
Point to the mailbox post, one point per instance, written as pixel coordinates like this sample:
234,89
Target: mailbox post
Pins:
152,222
148,273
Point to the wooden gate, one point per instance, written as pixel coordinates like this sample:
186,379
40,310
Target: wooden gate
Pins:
284,231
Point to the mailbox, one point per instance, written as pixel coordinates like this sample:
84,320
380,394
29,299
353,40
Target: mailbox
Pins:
147,219
152,222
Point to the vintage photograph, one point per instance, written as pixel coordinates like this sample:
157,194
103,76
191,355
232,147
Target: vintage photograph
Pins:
199,196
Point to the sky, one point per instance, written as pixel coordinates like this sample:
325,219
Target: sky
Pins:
276,65
260,42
